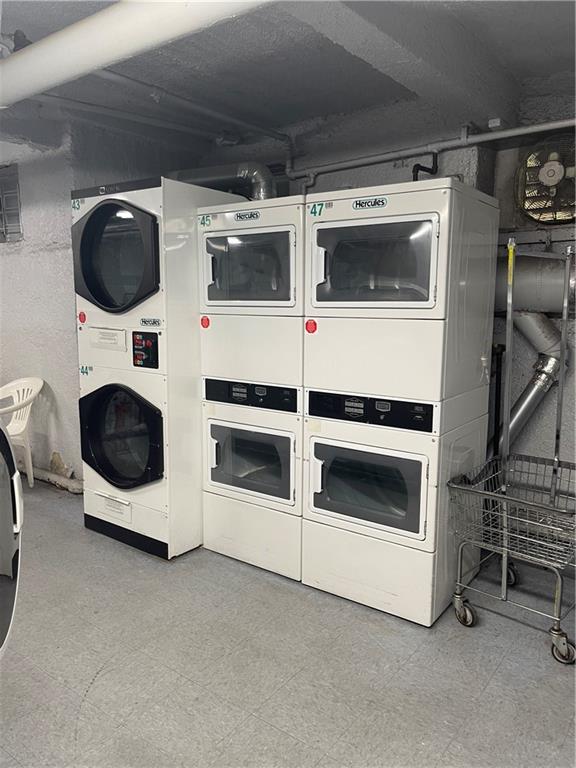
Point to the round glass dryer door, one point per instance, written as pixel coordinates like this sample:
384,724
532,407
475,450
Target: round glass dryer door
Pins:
116,256
122,436
10,527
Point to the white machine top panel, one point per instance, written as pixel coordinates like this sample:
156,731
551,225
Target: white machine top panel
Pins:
425,185
251,205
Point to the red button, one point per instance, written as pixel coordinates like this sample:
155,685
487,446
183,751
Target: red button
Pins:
205,321
148,343
82,317
311,326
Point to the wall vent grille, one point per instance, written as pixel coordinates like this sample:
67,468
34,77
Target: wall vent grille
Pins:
10,211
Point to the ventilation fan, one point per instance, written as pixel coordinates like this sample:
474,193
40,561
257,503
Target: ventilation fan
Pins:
545,184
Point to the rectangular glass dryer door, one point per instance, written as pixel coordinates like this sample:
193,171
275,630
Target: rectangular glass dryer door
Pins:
376,488
250,268
254,461
389,263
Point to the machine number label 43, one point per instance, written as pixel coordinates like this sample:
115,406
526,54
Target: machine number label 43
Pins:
77,204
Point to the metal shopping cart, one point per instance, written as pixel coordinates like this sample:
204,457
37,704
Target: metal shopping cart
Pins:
520,507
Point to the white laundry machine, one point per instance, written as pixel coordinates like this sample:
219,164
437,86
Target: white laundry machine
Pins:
252,435
136,275
11,514
135,266
252,297
375,502
420,256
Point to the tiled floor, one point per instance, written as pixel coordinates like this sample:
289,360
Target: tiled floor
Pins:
120,659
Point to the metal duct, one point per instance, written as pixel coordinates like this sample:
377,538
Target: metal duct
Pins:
255,175
538,285
545,338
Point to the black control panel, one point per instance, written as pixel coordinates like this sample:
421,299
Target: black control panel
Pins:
254,395
145,349
371,410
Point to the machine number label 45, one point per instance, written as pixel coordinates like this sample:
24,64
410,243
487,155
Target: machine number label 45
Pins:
205,220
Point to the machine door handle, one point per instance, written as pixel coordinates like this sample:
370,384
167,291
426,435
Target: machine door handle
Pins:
317,475
320,266
214,453
115,499
18,502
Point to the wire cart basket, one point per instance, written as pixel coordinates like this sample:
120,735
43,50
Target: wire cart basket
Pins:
520,507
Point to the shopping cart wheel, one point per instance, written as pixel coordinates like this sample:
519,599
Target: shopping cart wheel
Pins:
568,658
466,615
511,575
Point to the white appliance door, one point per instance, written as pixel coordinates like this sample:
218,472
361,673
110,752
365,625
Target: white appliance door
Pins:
376,488
253,267
252,461
376,263
116,256
10,531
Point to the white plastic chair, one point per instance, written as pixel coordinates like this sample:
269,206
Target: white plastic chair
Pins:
22,392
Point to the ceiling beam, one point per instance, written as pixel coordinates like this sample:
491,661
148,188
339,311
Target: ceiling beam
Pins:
425,48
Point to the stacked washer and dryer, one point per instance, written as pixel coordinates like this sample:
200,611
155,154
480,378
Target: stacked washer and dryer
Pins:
399,301
135,272
341,359
251,359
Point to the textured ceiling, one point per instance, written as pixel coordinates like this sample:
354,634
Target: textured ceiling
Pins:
532,39
282,66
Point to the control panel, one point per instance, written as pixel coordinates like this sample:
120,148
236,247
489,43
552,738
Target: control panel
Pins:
370,410
253,395
145,349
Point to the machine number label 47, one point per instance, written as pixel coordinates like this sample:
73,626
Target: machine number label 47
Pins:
317,208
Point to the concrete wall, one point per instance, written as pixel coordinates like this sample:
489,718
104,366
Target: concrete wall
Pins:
37,334
37,305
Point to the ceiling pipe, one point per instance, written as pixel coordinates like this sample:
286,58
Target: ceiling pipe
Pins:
120,31
162,97
255,175
83,106
469,140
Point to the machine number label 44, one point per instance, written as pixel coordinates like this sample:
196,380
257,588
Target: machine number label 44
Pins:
86,369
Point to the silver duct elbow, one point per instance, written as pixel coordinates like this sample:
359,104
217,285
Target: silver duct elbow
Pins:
545,338
256,176
260,178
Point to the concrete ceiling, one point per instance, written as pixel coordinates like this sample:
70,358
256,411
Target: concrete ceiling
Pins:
303,66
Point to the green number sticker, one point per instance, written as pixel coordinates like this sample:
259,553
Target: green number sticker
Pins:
76,205
316,209
206,220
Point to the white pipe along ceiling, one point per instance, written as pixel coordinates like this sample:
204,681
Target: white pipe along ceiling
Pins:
116,33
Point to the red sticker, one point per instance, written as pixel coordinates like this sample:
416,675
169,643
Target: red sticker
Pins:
311,326
82,317
205,321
